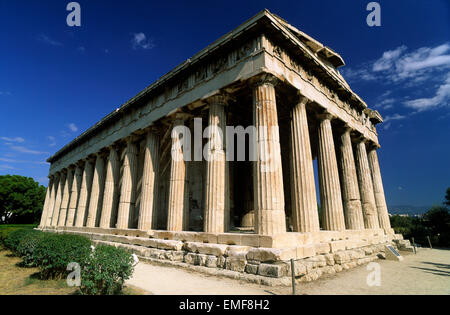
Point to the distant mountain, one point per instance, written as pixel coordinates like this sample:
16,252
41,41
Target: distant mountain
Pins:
407,209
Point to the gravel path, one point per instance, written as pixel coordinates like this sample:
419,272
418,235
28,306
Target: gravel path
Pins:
428,272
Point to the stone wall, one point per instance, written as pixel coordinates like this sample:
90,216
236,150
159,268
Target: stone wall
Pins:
267,266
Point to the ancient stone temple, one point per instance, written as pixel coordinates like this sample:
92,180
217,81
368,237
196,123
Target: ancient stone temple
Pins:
221,205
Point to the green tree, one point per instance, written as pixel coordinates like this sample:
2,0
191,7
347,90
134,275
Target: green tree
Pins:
447,197
437,222
21,199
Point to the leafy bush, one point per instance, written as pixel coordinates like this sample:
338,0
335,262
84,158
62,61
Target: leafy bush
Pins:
27,246
54,252
15,237
106,271
4,232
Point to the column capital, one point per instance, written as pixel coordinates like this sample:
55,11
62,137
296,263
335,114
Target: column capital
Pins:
326,115
264,79
220,98
180,116
151,129
346,128
71,168
79,163
301,98
101,154
131,138
372,145
361,138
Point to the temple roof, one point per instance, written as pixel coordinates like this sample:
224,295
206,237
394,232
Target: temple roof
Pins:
323,57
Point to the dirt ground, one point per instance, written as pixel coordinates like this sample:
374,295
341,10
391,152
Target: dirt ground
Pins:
427,272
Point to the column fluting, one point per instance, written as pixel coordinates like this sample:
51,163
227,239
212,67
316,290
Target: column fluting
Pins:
85,191
380,199
58,200
366,187
66,197
305,217
178,211
216,205
330,189
52,200
128,188
111,191
270,218
46,203
98,182
74,194
148,212
350,191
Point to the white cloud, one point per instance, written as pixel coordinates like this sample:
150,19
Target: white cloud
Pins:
388,59
5,93
363,73
22,149
7,167
386,103
52,141
72,127
423,59
23,161
394,117
441,98
140,40
45,39
386,126
399,65
16,139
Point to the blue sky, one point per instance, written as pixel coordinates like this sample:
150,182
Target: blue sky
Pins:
56,81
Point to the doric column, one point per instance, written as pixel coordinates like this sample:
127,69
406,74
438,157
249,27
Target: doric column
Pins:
85,191
349,183
216,205
330,189
46,203
98,182
178,211
128,188
58,200
148,211
366,187
51,205
76,185
268,175
380,200
111,191
66,197
305,217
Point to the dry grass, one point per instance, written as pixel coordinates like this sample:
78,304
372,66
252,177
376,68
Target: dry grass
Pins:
15,280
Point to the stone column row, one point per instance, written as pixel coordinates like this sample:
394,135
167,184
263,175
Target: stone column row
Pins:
86,194
351,189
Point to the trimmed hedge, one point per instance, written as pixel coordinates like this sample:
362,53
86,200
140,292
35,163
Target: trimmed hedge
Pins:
103,270
106,271
27,246
54,252
14,238
6,229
